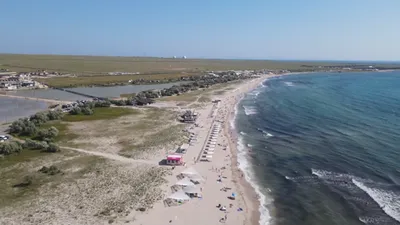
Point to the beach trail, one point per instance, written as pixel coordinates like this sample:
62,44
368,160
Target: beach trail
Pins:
112,156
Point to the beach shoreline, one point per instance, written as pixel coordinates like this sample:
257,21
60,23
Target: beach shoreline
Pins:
248,191
247,187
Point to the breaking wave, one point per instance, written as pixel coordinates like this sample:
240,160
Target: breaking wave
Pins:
289,84
250,110
245,166
372,196
387,200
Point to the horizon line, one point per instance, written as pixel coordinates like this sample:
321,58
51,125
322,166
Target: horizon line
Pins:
209,58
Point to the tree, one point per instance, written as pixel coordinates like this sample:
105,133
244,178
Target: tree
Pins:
87,111
47,134
30,129
17,126
10,147
55,114
35,145
39,118
75,111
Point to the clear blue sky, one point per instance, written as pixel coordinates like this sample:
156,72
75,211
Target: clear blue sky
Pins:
259,29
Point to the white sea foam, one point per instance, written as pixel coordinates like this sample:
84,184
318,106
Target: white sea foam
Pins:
249,145
254,93
373,220
267,134
387,200
289,84
243,133
331,175
245,166
250,110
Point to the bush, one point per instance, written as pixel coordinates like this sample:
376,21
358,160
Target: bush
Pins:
103,103
10,147
52,148
39,118
23,127
47,134
17,126
26,181
118,102
35,145
55,115
75,111
28,127
87,111
52,170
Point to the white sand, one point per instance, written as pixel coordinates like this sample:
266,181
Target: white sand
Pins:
204,211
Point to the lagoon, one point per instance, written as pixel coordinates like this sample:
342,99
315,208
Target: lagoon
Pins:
105,92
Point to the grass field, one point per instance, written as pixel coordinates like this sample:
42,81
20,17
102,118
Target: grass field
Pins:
93,70
101,114
96,65
107,79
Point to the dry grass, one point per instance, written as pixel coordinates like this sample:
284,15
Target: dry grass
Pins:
95,65
91,190
201,95
141,135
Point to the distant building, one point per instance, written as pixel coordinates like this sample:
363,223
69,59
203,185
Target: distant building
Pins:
184,57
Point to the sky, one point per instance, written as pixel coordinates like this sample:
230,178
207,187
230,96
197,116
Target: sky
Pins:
237,29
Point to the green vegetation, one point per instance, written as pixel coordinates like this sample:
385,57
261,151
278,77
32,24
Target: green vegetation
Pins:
107,80
63,133
94,70
29,127
101,114
10,147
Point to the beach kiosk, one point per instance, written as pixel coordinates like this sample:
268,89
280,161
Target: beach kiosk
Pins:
174,160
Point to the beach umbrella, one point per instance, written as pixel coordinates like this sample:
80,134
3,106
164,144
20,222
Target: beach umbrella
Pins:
191,190
179,195
184,182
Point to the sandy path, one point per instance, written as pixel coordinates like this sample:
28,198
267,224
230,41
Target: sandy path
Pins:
112,156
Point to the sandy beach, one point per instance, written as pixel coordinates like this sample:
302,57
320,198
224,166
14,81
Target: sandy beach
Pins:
130,187
222,176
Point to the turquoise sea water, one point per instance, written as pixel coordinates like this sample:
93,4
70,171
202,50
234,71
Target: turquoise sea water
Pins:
324,148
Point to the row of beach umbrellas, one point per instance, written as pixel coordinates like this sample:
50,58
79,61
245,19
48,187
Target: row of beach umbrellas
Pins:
208,151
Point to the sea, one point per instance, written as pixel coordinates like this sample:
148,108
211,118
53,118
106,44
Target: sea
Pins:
323,148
